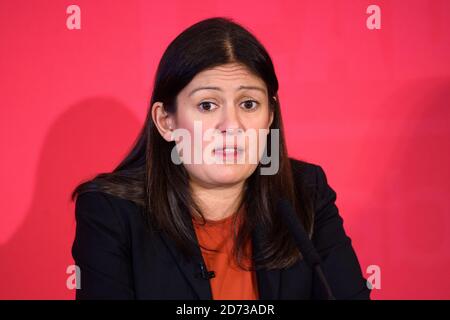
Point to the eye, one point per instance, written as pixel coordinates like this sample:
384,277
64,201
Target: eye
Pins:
250,105
206,106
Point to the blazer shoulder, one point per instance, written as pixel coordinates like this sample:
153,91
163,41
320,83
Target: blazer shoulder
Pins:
312,178
105,208
99,200
92,202
304,171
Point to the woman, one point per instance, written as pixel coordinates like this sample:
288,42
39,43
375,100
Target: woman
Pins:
161,226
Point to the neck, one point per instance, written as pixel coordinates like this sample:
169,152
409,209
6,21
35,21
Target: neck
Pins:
217,203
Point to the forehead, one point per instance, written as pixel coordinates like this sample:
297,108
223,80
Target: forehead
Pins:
229,75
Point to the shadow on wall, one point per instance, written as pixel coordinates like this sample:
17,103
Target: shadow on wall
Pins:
91,137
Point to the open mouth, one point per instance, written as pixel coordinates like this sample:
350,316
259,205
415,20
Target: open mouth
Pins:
228,151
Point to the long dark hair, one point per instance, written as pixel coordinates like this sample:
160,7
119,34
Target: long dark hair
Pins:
148,177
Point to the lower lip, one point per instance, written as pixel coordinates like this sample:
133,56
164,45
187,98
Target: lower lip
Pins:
228,154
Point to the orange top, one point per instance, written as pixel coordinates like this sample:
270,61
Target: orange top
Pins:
230,281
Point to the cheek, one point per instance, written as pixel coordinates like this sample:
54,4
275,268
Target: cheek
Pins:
258,120
261,127
192,141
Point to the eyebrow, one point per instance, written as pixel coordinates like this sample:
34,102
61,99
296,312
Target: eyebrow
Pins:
219,89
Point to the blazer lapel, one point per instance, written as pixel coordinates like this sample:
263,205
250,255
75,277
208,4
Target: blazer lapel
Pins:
268,280
190,268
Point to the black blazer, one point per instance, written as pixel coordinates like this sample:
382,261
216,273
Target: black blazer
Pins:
119,259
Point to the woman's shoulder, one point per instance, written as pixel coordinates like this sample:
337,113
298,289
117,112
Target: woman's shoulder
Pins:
311,177
105,208
103,199
307,172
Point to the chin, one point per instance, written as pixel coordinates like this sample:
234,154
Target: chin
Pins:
230,173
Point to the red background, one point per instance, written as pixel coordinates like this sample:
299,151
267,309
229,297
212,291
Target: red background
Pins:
370,106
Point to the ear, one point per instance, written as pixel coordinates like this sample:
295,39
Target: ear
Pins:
164,121
271,117
272,113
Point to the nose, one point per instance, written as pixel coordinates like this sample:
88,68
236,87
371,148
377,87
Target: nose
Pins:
229,121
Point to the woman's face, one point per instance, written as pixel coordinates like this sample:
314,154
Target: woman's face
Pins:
230,101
